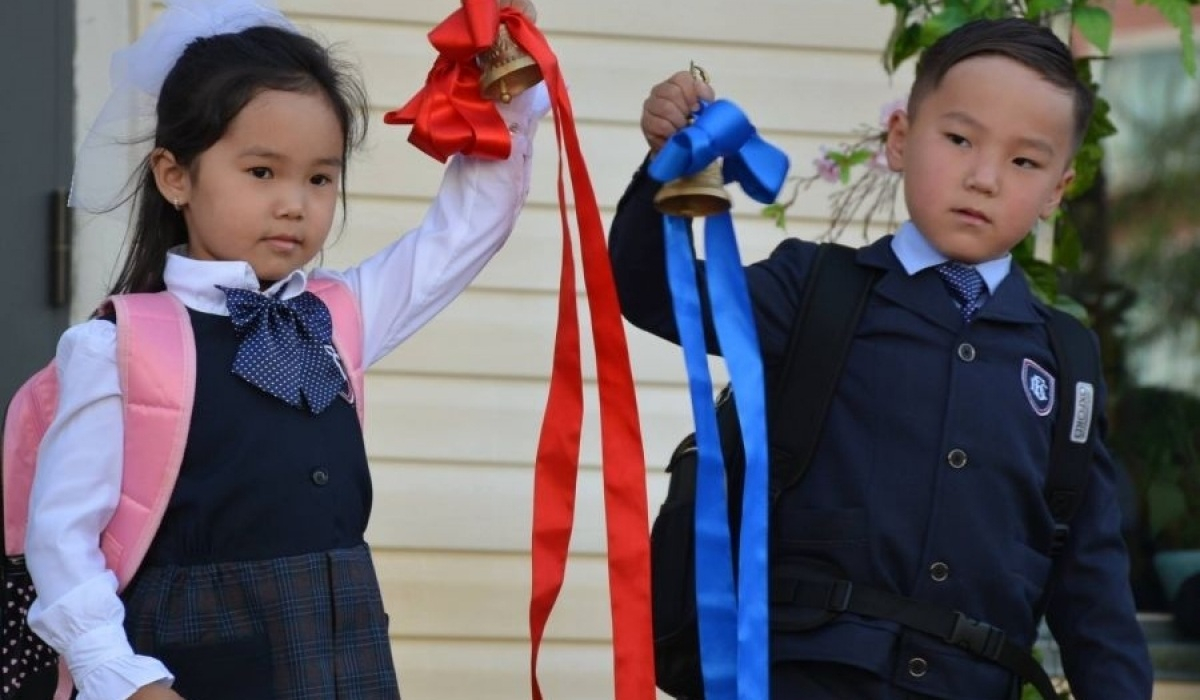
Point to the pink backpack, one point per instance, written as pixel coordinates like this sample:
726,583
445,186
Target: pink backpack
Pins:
156,360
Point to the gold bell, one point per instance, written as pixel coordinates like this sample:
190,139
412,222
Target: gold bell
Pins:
702,194
507,69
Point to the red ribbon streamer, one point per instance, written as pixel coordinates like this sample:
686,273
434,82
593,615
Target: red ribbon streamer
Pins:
448,118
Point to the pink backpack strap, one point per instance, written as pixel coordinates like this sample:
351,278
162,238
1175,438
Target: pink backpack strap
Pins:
156,357
347,332
29,415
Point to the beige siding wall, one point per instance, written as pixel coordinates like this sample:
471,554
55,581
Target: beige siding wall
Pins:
454,414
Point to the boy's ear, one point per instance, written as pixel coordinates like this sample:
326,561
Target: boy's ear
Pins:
897,134
1056,196
172,178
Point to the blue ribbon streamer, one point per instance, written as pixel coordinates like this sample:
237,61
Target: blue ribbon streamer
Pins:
733,621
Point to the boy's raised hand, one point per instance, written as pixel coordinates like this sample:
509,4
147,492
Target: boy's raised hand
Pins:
670,104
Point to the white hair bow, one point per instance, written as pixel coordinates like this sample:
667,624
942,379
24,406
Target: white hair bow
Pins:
123,133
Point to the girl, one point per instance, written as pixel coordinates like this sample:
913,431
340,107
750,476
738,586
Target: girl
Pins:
258,583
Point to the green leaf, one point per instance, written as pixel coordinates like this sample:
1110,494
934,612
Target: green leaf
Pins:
1179,14
906,45
1073,307
1095,23
1043,279
1036,9
944,22
1068,245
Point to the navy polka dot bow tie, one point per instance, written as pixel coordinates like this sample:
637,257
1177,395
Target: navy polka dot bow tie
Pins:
286,347
965,285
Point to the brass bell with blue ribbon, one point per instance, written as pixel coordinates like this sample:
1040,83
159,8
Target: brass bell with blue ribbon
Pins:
732,611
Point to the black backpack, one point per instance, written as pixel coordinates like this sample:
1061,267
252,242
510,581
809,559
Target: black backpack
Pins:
830,307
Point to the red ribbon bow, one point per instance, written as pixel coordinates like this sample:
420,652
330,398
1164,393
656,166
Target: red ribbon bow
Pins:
450,116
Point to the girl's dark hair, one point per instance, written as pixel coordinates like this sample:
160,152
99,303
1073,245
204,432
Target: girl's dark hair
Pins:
1020,40
206,89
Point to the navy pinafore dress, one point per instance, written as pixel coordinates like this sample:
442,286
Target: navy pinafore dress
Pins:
259,583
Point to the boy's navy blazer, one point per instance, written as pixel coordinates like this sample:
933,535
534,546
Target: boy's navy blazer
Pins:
928,477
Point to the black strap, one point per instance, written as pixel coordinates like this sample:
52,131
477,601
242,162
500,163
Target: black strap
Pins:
834,296
1071,449
944,623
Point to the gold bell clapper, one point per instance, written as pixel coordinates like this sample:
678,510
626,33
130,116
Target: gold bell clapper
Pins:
699,194
507,69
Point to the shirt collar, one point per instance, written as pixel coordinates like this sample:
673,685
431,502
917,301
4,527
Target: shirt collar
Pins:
915,254
195,282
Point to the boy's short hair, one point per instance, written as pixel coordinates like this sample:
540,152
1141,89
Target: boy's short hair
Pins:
1020,40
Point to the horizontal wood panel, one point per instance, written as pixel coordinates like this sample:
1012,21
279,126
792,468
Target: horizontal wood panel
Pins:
473,421
436,669
486,596
531,259
785,90
483,508
811,23
391,167
492,333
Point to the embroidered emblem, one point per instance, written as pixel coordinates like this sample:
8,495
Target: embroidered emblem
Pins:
1039,387
1081,421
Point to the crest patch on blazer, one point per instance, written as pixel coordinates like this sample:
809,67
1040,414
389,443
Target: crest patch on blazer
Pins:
1039,387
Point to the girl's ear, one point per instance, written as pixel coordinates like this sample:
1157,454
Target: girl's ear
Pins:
172,179
897,133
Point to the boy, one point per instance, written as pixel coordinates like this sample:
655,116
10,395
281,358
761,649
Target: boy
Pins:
928,479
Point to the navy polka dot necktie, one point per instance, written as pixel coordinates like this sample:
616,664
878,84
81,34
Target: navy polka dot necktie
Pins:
965,285
286,347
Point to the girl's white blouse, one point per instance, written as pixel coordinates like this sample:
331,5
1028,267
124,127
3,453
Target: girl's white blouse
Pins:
78,479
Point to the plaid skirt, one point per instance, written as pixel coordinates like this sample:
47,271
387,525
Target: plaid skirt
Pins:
295,628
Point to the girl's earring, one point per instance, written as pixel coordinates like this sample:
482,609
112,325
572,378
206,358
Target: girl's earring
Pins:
178,206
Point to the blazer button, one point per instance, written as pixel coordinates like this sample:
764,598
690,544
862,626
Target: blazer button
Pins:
957,458
320,477
917,667
966,352
938,571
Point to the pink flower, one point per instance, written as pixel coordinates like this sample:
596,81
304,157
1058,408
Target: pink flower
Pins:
900,104
827,169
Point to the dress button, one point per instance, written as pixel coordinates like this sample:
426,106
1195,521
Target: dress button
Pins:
320,477
966,352
957,458
917,667
939,571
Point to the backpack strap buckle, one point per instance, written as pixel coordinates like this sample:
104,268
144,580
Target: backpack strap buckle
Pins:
1058,539
977,637
839,596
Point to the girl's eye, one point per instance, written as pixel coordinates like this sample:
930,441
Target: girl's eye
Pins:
321,179
957,140
260,173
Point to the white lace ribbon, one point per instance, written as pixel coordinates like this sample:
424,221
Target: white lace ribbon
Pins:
123,133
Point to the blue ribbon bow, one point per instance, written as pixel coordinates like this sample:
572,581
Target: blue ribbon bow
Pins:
732,620
286,347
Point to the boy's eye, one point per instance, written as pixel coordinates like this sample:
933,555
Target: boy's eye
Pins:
1026,163
957,140
260,173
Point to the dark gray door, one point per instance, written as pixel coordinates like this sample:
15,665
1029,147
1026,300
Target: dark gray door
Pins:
37,44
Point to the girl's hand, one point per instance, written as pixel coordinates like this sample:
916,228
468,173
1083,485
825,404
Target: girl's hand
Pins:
525,7
155,691
670,104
